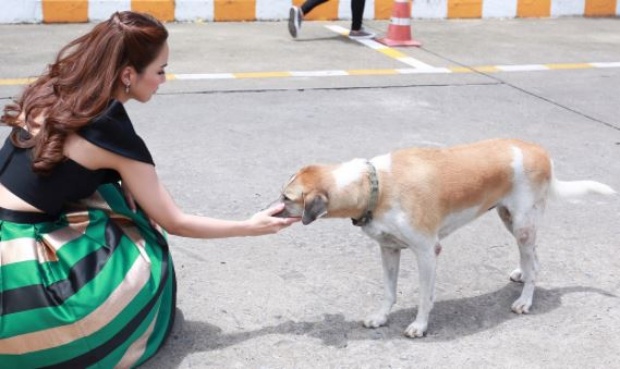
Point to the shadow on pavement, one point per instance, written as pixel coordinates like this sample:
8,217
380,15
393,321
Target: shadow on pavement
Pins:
450,320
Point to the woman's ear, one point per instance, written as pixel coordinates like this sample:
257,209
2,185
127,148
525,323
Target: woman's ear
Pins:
128,75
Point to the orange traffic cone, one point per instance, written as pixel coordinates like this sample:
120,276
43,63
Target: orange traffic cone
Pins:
399,30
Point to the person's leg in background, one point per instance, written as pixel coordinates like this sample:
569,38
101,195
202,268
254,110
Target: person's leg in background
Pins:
357,15
307,6
296,15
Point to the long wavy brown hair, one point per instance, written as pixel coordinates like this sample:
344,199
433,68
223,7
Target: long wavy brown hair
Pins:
80,83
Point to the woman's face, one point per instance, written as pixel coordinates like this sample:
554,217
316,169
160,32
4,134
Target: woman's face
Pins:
145,84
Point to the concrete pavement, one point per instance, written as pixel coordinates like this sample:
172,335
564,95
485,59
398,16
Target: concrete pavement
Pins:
246,106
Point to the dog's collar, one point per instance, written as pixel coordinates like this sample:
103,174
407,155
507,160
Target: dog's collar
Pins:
373,198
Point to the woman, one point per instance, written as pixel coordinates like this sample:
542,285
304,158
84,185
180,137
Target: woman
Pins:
85,279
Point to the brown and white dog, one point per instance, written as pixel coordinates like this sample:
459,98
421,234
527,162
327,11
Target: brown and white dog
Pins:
413,198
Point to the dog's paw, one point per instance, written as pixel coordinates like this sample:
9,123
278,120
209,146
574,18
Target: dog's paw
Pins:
522,305
416,329
516,276
375,321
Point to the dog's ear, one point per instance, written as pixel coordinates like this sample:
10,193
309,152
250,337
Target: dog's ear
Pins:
314,208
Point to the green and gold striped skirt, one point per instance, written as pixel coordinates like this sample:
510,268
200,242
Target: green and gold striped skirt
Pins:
94,288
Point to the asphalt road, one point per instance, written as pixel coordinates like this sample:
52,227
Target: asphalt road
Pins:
246,106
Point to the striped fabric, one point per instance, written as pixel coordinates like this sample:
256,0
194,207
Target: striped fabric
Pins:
95,289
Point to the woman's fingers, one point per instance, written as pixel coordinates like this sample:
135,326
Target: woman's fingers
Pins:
274,209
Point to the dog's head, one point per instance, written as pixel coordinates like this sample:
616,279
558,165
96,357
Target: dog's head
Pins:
334,191
305,195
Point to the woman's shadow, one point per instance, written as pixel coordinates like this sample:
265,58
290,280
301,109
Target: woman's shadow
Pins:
451,319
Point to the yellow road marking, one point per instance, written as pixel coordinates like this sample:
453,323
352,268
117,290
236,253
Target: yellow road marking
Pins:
15,81
367,72
569,66
393,53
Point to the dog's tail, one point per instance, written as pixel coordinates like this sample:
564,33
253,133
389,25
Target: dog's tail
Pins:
570,189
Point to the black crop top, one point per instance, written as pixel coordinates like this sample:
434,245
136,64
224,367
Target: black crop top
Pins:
69,181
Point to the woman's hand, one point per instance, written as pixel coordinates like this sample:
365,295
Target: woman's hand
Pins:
264,222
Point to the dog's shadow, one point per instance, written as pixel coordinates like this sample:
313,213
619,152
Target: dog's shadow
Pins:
450,320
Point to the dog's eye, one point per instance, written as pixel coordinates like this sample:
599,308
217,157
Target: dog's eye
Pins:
285,198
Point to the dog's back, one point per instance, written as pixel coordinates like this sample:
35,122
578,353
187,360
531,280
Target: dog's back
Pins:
433,184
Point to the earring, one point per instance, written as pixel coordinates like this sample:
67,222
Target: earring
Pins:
127,88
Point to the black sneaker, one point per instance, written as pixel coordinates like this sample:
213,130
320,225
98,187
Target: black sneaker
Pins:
361,34
294,21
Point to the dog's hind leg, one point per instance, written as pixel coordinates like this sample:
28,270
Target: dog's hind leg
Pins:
524,230
505,216
390,258
427,265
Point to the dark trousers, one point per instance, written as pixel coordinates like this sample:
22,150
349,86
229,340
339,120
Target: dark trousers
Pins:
357,10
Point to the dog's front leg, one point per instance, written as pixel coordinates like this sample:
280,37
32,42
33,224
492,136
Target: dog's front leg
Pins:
427,265
390,258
